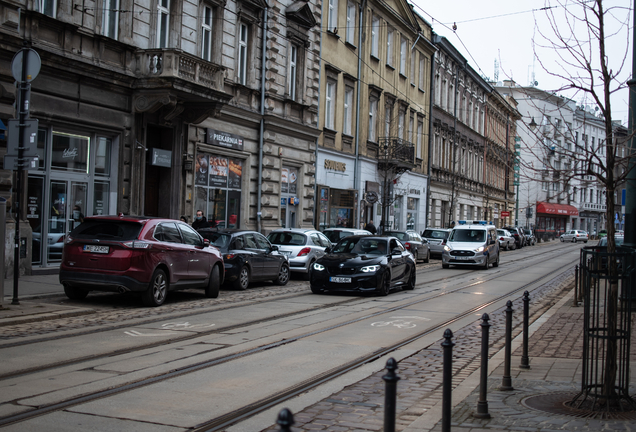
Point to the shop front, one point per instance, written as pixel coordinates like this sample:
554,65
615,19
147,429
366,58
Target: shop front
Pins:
552,220
409,205
338,200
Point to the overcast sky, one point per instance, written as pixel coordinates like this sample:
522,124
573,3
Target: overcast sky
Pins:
504,30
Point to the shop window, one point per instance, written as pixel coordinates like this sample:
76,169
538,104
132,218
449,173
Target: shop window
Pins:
70,152
102,155
101,193
218,189
412,206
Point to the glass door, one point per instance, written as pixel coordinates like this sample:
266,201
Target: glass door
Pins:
64,214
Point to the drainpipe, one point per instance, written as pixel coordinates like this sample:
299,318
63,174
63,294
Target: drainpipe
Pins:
356,167
316,191
262,126
430,138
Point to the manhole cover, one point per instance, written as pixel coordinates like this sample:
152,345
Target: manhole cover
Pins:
554,403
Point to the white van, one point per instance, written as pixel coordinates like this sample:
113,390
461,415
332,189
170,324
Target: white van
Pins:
472,243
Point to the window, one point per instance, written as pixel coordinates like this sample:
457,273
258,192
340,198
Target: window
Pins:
403,52
163,23
293,71
375,37
110,18
348,111
351,23
387,121
48,7
206,34
332,16
373,110
411,138
389,47
330,99
422,73
412,74
544,186
242,53
420,128
401,125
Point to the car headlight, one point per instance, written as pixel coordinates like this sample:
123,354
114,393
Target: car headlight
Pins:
370,269
479,249
319,267
447,248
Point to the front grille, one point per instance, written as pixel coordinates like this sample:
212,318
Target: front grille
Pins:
341,271
462,253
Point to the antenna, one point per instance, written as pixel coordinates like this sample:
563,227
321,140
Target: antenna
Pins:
496,71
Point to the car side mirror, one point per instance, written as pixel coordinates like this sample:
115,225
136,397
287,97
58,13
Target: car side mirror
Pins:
328,249
206,243
274,248
492,241
396,251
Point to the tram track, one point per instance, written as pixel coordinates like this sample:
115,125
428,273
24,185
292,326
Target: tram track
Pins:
237,415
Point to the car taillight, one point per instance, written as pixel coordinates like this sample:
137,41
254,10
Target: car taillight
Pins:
68,240
501,238
60,240
408,246
229,256
304,251
137,244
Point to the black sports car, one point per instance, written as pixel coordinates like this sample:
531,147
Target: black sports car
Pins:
248,256
373,264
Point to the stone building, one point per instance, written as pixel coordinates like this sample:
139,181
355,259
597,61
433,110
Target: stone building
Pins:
164,107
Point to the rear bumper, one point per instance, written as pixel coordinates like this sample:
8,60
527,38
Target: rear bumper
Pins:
101,281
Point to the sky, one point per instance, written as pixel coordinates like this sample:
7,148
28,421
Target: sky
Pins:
503,30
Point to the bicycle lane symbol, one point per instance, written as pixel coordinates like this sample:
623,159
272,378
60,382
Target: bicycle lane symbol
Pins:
185,326
401,322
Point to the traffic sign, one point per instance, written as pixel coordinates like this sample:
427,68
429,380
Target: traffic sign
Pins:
29,163
30,140
33,64
505,213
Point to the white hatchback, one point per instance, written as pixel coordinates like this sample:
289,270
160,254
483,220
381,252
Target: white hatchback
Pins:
574,236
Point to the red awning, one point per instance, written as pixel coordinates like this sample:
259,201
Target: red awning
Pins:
556,209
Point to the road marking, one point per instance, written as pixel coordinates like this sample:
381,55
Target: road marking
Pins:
402,322
185,325
136,333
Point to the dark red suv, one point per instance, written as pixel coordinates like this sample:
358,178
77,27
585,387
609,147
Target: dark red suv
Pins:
136,253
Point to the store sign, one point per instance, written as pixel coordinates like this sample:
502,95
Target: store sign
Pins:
224,139
162,158
505,213
372,197
335,165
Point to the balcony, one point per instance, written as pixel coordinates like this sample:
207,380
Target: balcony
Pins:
396,154
592,207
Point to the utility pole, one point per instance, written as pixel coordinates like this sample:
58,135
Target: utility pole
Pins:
630,184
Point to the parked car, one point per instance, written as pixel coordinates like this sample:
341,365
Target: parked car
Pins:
618,241
506,240
602,233
135,253
366,264
413,243
302,247
336,234
517,233
472,244
436,238
248,256
530,238
574,236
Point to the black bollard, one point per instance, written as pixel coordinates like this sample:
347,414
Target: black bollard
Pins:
390,395
525,361
506,382
575,302
482,403
285,420
447,380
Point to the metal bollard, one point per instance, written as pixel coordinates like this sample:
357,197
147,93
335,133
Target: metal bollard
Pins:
285,420
482,403
506,382
390,395
575,301
447,380
525,361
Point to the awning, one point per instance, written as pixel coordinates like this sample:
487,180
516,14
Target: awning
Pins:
556,209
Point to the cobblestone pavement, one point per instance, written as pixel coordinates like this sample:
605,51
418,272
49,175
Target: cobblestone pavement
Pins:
360,407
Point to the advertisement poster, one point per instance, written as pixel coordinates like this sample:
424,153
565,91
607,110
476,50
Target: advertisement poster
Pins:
293,176
218,171
236,171
284,176
201,170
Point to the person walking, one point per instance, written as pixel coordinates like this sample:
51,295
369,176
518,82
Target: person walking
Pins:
200,221
370,227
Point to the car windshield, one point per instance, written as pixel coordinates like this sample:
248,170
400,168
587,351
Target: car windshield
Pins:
527,231
107,230
361,246
435,234
287,238
617,240
501,232
335,236
217,239
400,235
468,235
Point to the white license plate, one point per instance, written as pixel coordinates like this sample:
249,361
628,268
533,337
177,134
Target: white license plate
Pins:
288,253
340,280
96,249
463,258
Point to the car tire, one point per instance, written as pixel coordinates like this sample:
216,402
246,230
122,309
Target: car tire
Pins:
157,290
584,241
283,275
574,240
243,280
561,238
75,293
307,276
496,263
428,256
486,265
411,283
316,290
514,246
385,285
445,265
214,284
416,256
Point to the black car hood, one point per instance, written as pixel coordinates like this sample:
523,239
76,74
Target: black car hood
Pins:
350,259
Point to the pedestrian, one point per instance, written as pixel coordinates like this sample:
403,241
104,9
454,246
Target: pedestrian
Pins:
184,219
200,221
370,227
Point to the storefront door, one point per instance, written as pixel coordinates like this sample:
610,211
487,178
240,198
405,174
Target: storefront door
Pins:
67,203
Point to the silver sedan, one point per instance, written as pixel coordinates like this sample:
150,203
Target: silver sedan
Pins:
506,240
574,236
302,246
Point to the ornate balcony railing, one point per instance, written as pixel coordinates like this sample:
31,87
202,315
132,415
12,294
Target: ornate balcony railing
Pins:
173,63
592,207
396,154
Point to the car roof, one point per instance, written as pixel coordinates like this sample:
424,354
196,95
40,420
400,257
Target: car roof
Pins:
230,231
296,230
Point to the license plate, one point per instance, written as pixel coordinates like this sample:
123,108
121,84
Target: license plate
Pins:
288,253
96,249
463,258
340,279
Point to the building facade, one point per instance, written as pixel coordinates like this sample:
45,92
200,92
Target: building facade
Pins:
163,108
